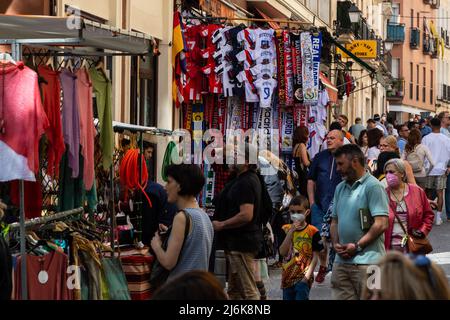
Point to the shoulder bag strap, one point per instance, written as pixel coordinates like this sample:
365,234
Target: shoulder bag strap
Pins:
395,214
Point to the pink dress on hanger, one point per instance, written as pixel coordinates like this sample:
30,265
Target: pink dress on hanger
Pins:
87,129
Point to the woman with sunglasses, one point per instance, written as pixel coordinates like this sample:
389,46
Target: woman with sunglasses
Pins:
409,208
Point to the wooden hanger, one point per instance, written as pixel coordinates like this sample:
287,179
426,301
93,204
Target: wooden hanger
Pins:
6,57
69,64
50,63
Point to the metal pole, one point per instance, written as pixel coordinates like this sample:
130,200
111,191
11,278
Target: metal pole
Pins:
113,210
139,209
17,55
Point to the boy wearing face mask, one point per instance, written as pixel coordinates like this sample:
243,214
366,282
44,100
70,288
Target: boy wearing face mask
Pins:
300,250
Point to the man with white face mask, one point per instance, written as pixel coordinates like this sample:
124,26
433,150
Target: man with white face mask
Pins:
300,250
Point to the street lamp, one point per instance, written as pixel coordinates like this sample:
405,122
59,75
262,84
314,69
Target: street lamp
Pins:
354,14
388,45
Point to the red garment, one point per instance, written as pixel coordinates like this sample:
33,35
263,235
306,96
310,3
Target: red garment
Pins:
51,98
33,198
87,129
25,119
54,264
420,215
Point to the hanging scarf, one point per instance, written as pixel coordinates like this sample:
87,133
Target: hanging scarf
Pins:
297,67
287,131
311,47
288,71
281,68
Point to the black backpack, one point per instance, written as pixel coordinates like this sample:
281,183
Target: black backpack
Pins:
265,215
265,209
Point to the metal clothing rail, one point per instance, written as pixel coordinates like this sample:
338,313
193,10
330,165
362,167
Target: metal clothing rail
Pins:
248,19
118,126
45,219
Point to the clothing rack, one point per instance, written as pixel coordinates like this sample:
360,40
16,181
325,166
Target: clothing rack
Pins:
248,19
51,33
45,219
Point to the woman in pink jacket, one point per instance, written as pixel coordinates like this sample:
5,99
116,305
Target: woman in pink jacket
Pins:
409,208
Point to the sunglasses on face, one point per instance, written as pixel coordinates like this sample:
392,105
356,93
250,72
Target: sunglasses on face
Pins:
391,172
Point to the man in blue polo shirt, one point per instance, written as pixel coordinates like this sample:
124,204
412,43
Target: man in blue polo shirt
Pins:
322,181
358,242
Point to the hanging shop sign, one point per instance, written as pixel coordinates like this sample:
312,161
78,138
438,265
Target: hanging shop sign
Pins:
363,49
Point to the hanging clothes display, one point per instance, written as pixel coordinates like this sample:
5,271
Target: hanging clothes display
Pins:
71,119
33,197
51,98
23,122
87,128
103,95
46,277
270,83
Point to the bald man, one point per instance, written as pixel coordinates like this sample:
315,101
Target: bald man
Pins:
323,179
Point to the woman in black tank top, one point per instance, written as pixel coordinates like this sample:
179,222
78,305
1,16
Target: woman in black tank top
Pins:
301,157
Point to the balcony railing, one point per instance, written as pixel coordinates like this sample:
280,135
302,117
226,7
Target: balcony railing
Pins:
414,41
396,32
398,89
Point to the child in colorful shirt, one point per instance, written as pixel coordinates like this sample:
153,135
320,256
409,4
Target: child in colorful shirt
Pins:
300,250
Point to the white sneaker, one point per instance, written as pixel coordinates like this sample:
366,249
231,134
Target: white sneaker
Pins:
438,219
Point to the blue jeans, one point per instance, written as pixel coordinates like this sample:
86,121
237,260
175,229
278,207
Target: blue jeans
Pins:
317,215
300,291
447,198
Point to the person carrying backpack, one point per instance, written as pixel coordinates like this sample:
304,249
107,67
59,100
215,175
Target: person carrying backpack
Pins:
415,153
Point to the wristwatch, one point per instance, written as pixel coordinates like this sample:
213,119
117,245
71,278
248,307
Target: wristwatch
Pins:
358,247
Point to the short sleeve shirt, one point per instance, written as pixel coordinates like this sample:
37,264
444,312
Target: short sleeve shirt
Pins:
366,193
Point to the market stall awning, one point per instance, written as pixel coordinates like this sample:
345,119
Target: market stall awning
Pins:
331,88
272,24
271,8
407,109
71,31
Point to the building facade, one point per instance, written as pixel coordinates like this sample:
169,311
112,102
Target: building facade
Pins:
412,29
443,63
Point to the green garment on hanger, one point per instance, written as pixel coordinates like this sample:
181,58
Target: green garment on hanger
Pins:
71,191
168,160
103,94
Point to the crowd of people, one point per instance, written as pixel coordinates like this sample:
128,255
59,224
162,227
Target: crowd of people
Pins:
369,197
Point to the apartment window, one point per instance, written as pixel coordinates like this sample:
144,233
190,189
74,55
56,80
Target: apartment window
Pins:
424,94
431,87
412,18
312,5
324,11
143,91
411,70
395,13
418,20
395,68
417,83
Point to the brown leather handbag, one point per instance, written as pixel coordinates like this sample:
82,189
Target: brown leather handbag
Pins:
415,245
